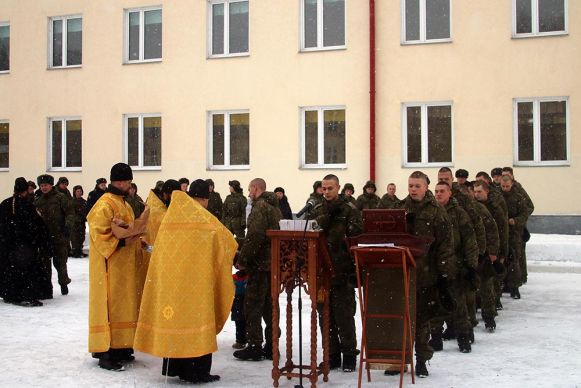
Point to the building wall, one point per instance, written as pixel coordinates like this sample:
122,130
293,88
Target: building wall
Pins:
481,71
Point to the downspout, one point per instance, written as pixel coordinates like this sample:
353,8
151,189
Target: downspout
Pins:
372,90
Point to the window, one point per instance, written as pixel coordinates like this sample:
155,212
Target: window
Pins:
323,137
426,21
65,41
322,24
143,141
541,135
143,35
228,26
65,143
4,144
229,140
4,47
539,17
427,134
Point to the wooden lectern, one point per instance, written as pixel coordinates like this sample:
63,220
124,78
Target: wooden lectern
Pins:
385,266
315,276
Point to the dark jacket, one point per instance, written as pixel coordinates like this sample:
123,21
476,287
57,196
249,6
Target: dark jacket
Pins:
388,202
80,208
285,209
367,201
234,211
215,205
465,247
58,214
94,197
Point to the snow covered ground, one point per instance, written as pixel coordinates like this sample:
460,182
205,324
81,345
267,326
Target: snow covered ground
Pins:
537,342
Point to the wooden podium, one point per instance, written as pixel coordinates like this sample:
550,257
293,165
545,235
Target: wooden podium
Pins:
315,275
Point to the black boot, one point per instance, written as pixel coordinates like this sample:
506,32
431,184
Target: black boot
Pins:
436,342
64,289
471,335
448,334
515,293
250,353
498,304
464,344
267,351
421,369
349,362
109,361
334,361
490,324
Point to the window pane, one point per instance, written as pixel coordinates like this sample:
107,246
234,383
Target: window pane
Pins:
523,17
311,137
133,141
553,130
74,144
4,144
412,20
4,48
551,15
414,134
57,137
238,39
439,134
310,21
333,23
437,19
152,141
525,131
74,41
334,136
239,139
133,36
57,42
218,140
218,29
152,44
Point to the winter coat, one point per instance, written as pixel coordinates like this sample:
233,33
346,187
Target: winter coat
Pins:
265,215
80,208
367,201
467,203
94,197
285,209
58,215
215,205
234,212
388,202
497,208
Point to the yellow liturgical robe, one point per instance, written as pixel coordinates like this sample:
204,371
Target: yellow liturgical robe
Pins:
189,290
157,210
112,293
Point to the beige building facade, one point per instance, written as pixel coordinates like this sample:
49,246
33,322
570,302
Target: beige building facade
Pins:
280,89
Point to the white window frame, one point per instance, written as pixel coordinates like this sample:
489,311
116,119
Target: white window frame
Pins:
3,169
320,29
422,22
64,120
4,24
141,11
140,117
424,134
210,143
65,20
537,132
320,137
226,29
535,22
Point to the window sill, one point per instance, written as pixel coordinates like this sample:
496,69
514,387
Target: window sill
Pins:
323,167
4,169
159,60
146,168
427,165
64,67
222,56
559,163
318,49
70,169
5,72
540,34
431,41
227,168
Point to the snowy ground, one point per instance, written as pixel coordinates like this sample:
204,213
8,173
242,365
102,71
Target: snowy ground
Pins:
537,342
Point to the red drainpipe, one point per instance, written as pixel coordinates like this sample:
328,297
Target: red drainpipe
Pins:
372,90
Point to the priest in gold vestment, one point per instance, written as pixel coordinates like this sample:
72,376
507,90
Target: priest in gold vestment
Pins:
189,291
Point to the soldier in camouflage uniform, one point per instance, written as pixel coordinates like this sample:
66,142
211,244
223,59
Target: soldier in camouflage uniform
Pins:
255,259
518,214
215,203
434,270
62,185
316,197
368,200
234,210
78,231
135,201
339,218
389,199
466,259
347,193
58,215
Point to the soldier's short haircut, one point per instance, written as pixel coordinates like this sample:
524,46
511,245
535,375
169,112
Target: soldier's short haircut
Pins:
443,183
485,175
467,185
445,169
496,171
134,186
331,177
420,175
390,184
259,183
508,169
506,178
482,184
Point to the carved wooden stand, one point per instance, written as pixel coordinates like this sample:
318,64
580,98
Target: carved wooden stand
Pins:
314,277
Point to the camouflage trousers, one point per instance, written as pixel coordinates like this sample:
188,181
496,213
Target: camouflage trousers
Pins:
258,307
77,239
424,351
341,320
459,318
60,256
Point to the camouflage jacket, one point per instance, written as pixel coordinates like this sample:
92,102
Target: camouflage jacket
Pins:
339,219
465,246
492,240
80,208
234,211
136,204
367,201
468,203
57,213
427,218
388,202
317,199
529,202
215,205
518,207
500,216
265,215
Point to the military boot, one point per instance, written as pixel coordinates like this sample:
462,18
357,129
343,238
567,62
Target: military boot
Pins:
334,361
250,353
490,324
464,344
448,334
436,342
421,369
498,304
471,335
515,293
349,362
